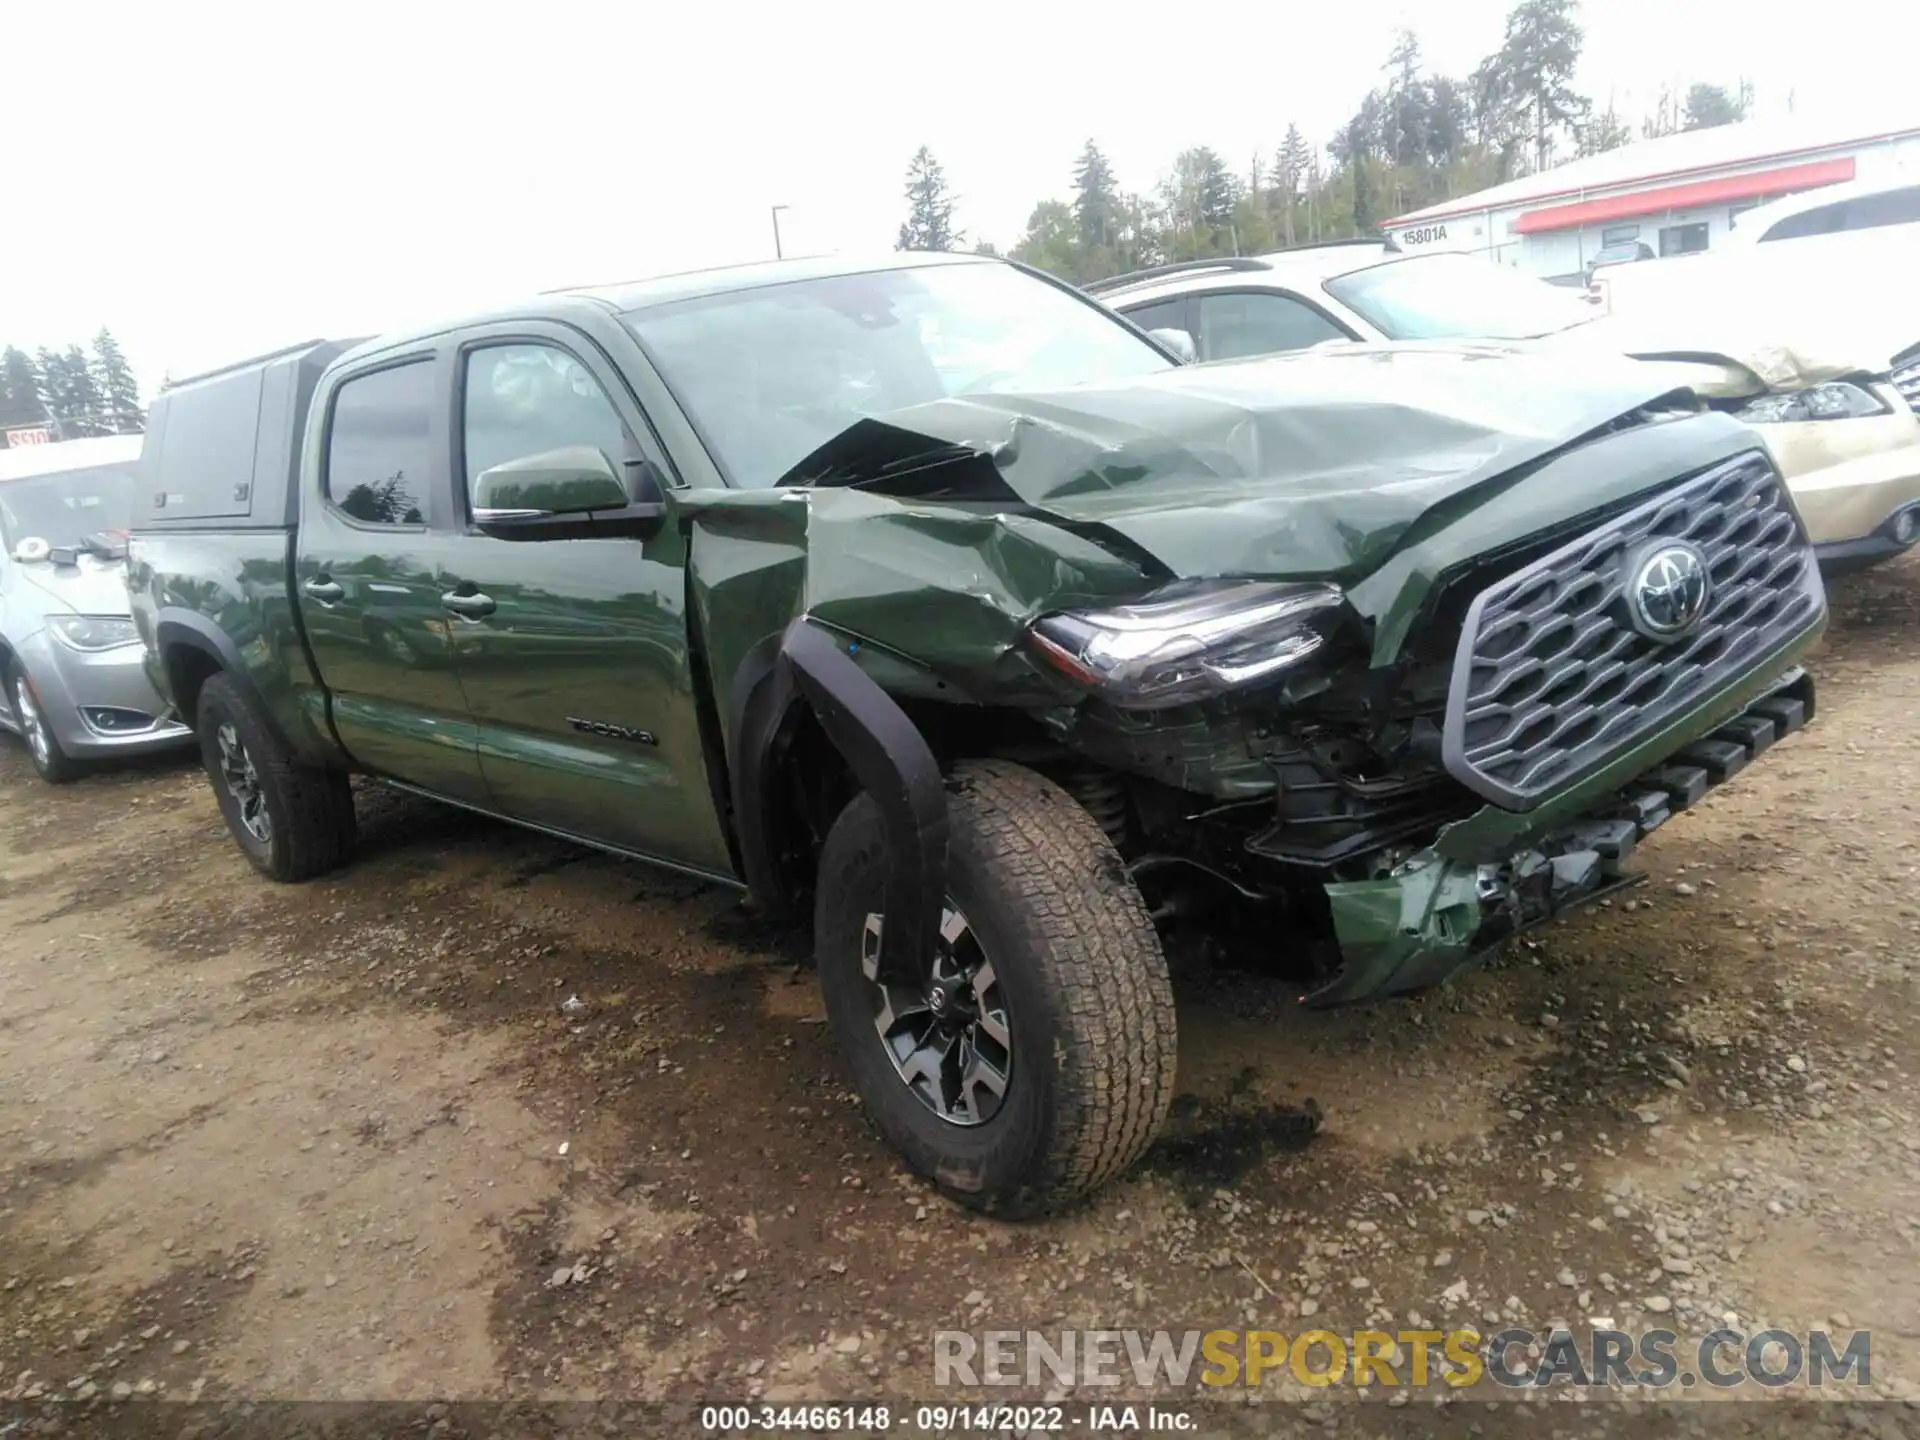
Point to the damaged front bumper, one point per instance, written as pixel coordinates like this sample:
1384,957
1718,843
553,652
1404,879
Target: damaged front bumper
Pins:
1436,913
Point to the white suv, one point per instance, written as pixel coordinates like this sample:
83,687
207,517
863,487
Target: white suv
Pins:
1839,419
1353,290
1830,210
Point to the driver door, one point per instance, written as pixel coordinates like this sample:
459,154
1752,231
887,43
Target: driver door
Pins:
573,653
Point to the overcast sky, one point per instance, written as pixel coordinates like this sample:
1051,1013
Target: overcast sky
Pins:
215,180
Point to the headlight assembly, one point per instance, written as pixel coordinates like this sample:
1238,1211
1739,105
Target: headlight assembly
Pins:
1839,400
93,632
1190,641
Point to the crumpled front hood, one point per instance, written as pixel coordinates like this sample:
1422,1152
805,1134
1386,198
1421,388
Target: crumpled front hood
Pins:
92,587
1312,464
931,538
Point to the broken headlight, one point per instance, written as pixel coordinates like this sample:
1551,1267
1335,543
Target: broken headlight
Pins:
1190,641
1840,400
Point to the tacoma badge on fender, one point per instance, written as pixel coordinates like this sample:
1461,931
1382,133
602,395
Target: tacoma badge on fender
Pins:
613,732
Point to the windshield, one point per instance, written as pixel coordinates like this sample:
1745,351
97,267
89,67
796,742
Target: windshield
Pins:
1457,297
769,375
65,509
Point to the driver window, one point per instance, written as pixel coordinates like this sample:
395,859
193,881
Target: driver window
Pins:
524,399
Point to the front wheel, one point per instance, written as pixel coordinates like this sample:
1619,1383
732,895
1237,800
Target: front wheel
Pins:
1030,1058
292,821
56,767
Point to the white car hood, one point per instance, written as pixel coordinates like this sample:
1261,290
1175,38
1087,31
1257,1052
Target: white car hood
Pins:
1785,331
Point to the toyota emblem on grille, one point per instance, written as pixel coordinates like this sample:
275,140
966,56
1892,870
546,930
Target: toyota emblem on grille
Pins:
1668,590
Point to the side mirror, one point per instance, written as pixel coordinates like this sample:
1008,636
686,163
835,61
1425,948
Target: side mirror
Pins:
1179,342
567,481
572,493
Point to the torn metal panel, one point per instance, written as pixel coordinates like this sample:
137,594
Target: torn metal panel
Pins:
942,588
1495,873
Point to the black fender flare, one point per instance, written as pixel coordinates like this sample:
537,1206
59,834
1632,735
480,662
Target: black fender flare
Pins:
881,745
187,629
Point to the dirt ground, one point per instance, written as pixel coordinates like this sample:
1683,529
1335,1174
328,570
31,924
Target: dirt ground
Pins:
489,1117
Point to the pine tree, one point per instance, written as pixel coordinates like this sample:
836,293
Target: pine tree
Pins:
1533,70
1710,105
1449,122
1096,200
929,222
1362,186
73,399
1405,139
21,403
1199,198
119,390
88,405
1289,175
1215,191
55,392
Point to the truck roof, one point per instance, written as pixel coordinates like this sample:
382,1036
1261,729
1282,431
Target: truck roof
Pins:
689,284
622,296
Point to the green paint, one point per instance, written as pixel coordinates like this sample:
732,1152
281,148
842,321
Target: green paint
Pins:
601,638
387,649
582,702
238,581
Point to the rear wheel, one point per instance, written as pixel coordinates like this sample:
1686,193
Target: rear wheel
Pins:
1030,1058
292,821
43,747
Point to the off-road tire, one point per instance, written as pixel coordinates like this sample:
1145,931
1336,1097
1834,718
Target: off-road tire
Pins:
309,810
1090,1004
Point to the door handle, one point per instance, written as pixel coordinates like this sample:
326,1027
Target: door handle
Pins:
324,590
474,606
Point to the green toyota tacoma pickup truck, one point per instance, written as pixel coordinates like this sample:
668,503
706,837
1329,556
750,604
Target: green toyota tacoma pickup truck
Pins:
930,595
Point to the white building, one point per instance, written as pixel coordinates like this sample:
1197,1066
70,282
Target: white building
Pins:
1675,195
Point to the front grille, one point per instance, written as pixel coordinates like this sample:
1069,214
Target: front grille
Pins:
1552,681
1907,382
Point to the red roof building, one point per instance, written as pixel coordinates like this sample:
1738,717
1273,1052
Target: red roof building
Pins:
1674,195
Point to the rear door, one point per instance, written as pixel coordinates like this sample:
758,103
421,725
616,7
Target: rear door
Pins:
368,579
573,653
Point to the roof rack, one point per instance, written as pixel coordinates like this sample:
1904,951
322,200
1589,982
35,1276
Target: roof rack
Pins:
1386,240
1183,267
244,364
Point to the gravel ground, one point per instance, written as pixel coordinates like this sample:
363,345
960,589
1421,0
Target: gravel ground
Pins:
487,1117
